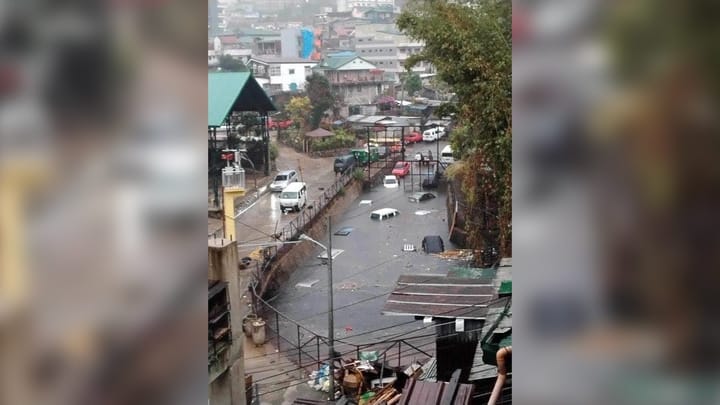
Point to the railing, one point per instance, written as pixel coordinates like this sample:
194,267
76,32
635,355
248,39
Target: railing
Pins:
312,211
309,350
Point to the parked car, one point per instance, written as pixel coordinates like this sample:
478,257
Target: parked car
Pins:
431,135
413,137
421,196
283,179
362,155
431,182
344,163
384,213
283,124
293,197
401,169
433,244
390,182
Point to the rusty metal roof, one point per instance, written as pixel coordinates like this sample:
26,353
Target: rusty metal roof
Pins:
425,392
440,296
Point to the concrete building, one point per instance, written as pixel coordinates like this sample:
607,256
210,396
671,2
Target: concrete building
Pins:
226,368
278,74
390,54
354,78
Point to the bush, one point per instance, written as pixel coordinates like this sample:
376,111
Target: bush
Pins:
341,139
358,174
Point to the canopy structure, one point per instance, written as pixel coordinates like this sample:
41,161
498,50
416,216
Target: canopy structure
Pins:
319,133
234,91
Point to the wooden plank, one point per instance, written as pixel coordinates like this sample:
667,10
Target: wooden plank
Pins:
448,397
439,280
458,300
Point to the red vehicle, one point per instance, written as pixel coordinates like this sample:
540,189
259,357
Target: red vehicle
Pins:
414,137
401,169
396,148
284,124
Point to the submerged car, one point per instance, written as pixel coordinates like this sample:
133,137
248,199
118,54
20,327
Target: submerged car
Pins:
401,169
433,244
421,196
413,137
384,213
390,182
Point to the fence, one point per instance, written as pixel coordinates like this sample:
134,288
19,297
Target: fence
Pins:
309,350
310,212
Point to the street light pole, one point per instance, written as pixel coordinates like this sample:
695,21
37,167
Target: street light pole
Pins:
331,320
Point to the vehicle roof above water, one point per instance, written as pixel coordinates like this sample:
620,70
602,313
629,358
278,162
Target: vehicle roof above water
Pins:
383,211
293,187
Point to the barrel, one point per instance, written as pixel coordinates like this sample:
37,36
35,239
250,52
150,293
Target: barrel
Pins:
247,324
258,332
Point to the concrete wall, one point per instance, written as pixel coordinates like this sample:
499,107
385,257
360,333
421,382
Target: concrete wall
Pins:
227,380
298,253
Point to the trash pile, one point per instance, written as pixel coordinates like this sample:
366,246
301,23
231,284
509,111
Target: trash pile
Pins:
365,381
461,254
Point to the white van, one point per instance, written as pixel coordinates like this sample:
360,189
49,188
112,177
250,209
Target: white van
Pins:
384,213
293,197
446,155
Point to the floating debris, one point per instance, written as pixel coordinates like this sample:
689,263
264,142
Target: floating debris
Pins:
423,212
307,283
344,231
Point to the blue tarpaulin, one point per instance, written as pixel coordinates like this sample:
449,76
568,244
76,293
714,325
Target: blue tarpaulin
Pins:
308,37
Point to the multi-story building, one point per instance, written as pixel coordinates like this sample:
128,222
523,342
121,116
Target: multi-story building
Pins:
278,74
390,54
350,4
355,79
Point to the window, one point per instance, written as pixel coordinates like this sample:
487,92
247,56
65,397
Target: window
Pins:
274,70
291,71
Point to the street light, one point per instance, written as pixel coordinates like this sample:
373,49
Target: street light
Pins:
331,326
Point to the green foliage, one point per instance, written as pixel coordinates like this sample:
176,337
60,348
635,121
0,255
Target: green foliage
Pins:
299,108
229,64
413,84
358,174
341,139
470,46
274,153
321,97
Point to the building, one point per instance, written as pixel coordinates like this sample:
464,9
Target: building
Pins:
389,53
278,74
226,364
355,79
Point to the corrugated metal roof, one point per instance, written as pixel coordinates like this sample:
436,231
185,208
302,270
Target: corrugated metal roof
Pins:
228,91
429,370
440,296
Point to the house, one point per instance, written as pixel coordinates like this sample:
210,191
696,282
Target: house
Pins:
472,312
278,74
355,79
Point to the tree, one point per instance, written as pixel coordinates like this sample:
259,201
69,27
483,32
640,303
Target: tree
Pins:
321,97
299,108
413,84
229,64
470,47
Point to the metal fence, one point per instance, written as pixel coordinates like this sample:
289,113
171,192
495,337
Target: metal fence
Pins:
312,211
308,350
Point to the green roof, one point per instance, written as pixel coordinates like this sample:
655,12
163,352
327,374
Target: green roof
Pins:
334,62
234,91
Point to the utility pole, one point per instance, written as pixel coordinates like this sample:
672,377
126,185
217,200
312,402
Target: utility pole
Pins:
331,321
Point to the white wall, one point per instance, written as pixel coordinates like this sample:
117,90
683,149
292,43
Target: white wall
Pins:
286,77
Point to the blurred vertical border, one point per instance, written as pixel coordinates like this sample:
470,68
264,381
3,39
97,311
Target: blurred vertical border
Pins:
102,202
615,204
